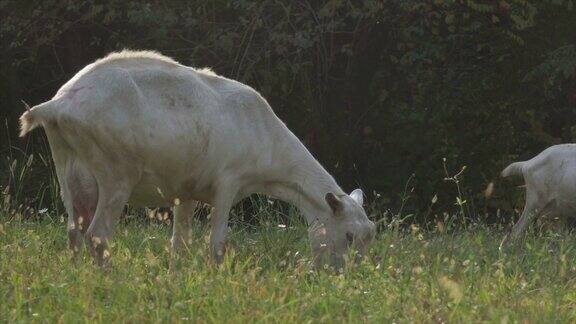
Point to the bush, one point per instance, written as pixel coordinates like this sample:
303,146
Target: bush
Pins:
378,90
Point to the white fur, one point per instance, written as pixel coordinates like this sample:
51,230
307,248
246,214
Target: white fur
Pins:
139,127
550,184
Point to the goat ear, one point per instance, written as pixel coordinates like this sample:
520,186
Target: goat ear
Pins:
358,196
334,202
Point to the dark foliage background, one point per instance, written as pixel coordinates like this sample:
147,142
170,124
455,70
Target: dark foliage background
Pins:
381,91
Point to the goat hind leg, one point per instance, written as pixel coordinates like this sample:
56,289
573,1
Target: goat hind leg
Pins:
79,195
529,213
75,238
111,200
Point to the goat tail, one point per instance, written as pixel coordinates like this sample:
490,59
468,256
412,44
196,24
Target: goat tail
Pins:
36,116
516,168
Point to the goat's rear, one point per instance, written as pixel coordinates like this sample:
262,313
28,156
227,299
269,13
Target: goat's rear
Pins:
36,116
515,168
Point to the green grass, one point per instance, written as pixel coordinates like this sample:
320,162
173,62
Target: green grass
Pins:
429,277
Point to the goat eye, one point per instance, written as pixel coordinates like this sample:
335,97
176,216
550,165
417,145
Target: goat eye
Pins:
350,238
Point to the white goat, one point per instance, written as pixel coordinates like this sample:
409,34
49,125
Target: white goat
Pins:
140,128
550,185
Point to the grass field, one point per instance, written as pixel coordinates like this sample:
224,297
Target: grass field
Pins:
408,277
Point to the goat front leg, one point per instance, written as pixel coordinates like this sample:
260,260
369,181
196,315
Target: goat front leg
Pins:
182,228
219,221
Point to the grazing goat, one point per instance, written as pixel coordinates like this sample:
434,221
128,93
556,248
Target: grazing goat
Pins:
550,185
138,127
